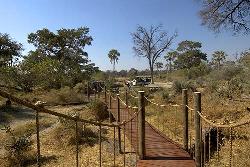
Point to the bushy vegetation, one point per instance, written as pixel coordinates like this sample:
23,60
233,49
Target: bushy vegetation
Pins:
99,110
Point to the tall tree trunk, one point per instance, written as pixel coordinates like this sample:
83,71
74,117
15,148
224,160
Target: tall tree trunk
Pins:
114,66
152,74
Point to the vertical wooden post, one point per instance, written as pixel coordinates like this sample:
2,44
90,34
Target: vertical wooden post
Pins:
105,93
77,144
110,106
88,93
38,140
126,98
185,118
197,107
100,145
118,120
141,125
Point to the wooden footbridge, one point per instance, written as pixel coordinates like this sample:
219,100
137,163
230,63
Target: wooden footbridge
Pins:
159,149
151,147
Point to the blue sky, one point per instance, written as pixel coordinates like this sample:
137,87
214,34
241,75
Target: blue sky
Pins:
112,21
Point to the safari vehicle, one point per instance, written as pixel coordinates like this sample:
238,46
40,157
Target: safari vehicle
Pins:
141,80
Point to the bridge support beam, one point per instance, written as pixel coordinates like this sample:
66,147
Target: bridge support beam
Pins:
185,118
141,125
197,108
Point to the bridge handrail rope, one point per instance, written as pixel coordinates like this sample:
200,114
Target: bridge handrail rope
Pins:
135,97
189,108
219,125
162,105
44,110
134,107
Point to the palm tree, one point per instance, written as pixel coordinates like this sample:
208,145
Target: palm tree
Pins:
113,56
170,57
218,58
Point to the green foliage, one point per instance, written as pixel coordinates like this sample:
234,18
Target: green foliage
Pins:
10,50
158,65
189,55
59,59
80,88
198,71
165,95
226,73
183,84
66,132
99,110
17,148
188,45
132,73
170,57
245,59
218,58
65,95
100,76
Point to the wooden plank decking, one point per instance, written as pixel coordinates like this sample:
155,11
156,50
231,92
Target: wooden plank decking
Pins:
160,150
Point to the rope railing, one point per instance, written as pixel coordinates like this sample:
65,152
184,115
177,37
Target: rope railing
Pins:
40,109
206,139
44,110
220,125
162,105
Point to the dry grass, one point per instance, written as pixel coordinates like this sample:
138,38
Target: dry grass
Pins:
169,121
58,141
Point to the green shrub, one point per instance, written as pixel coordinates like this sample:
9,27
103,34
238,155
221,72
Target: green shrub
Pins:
179,85
198,71
226,73
99,110
17,148
64,95
80,88
165,95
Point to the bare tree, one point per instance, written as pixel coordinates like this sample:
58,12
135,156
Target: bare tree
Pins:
151,43
228,14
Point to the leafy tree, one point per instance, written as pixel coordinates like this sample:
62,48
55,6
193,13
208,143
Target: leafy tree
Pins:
218,58
123,73
151,43
66,44
189,55
170,57
10,50
61,56
113,56
245,58
233,15
158,65
132,72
